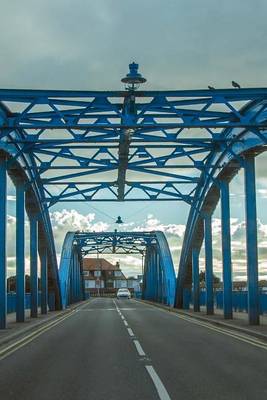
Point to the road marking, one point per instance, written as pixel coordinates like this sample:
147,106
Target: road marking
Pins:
139,349
130,332
238,336
162,392
95,309
224,331
7,351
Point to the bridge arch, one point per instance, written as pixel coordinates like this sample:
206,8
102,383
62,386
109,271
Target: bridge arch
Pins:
243,145
159,275
109,134
19,165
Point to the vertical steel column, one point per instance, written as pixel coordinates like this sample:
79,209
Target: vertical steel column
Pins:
154,275
44,282
149,274
77,278
251,239
71,281
160,284
208,263
195,278
226,250
20,250
157,260
34,264
3,199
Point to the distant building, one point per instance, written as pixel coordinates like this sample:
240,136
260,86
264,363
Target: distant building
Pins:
100,274
134,283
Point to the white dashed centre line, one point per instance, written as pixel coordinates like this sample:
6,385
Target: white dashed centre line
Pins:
130,332
162,392
139,349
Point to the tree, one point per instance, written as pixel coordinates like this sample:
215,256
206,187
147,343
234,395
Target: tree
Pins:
11,284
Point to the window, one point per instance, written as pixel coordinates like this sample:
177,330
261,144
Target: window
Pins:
86,273
97,273
117,273
89,284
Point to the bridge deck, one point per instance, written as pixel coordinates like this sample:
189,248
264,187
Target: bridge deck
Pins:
91,354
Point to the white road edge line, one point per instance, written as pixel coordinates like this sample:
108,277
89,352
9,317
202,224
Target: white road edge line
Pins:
162,392
125,323
247,339
130,332
139,349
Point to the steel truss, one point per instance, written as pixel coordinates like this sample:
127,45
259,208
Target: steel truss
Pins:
130,145
159,275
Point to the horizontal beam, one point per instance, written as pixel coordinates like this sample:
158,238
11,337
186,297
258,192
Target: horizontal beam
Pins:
10,124
21,94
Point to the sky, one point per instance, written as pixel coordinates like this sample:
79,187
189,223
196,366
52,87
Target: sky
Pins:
179,44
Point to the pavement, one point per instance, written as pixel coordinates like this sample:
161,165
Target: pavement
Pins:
124,349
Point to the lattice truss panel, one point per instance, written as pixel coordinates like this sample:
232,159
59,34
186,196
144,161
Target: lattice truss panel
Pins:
114,242
106,146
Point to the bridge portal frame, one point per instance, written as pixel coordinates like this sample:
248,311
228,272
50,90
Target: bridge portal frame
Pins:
234,123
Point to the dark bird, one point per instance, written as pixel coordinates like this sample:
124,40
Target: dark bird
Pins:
236,85
211,88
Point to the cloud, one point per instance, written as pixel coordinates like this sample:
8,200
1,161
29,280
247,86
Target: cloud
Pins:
74,49
71,220
153,224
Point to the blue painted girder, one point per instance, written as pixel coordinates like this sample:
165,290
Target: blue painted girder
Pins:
161,273
98,109
76,139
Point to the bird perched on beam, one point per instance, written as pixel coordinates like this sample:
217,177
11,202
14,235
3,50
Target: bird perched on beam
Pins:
211,88
236,85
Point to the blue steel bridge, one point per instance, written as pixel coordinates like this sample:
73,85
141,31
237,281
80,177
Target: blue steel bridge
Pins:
61,146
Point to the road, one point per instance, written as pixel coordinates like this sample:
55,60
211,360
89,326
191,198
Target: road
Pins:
110,350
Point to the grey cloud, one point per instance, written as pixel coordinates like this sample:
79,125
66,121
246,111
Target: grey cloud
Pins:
88,44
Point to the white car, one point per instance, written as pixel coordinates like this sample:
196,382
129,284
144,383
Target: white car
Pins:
123,294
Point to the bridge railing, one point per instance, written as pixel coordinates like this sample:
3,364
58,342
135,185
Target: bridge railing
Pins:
240,300
12,301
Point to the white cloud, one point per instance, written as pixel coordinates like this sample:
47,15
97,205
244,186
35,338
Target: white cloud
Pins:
71,220
153,224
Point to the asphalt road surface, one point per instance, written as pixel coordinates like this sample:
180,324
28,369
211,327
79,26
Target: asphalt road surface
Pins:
123,349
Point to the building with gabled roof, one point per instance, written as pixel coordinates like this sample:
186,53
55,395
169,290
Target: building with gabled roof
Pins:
101,274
